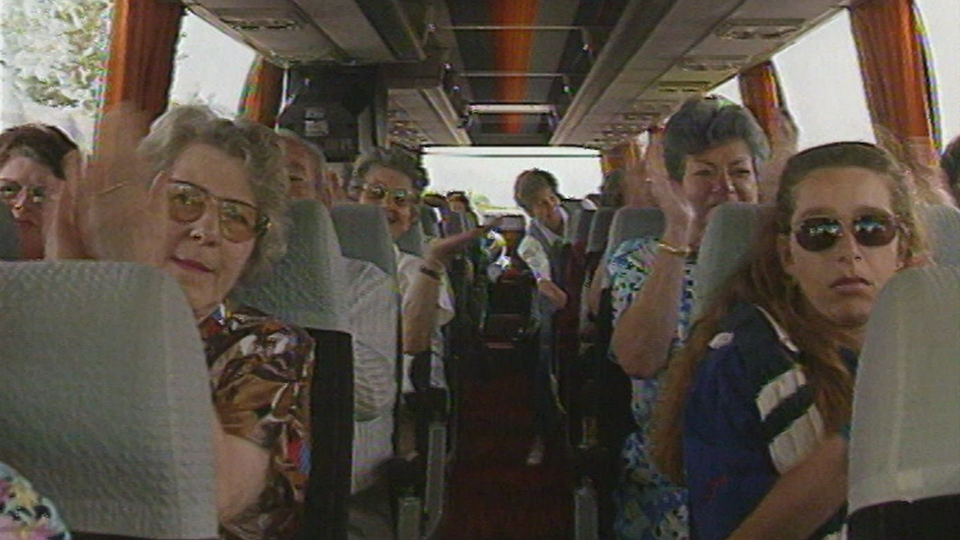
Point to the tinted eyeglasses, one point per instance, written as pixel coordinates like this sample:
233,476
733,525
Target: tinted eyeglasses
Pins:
401,196
238,221
11,190
822,233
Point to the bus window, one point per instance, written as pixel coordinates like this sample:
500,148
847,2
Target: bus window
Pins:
53,53
730,90
824,90
211,67
941,20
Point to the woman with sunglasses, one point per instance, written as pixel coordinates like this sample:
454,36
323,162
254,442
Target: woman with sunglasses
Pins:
204,199
32,162
755,406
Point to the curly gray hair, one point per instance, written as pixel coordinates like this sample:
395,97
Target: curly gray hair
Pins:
391,158
707,122
256,145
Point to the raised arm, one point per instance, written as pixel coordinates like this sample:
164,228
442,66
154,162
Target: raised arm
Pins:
643,334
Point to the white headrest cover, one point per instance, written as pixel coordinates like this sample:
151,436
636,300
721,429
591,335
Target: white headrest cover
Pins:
943,224
727,242
105,397
9,239
363,234
905,441
305,287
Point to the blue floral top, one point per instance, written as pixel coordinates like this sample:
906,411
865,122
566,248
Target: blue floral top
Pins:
24,514
650,507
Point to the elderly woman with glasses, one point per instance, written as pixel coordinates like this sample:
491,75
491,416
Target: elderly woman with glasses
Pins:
204,199
756,406
33,158
394,181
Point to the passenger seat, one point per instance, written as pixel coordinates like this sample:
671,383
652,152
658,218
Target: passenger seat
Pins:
106,398
904,479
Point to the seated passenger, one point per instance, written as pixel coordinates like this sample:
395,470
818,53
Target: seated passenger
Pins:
393,180
709,154
543,248
306,169
32,163
25,514
204,199
755,404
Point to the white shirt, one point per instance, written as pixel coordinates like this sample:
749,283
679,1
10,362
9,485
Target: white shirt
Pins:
534,253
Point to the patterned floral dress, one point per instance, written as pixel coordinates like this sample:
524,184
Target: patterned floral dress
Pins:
260,370
24,514
649,506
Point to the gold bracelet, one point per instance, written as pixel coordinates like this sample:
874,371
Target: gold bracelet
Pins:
675,250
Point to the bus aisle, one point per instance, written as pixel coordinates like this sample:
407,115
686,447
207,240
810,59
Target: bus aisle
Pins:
493,494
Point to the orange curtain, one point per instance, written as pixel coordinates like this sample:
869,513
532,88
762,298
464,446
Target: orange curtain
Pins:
262,93
143,45
894,68
760,89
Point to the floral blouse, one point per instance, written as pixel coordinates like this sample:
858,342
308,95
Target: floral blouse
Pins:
260,372
25,514
649,506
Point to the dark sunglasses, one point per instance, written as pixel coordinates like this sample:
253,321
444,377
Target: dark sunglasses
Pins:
870,230
401,196
238,221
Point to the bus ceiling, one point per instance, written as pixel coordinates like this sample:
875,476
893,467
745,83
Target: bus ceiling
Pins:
508,72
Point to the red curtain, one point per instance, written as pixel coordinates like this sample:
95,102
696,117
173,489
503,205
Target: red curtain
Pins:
760,90
142,49
892,59
262,93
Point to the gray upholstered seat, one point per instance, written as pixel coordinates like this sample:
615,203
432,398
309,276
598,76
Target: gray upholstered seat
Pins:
906,415
105,397
412,241
373,312
630,223
305,287
429,221
354,219
9,240
600,230
728,240
943,226
580,228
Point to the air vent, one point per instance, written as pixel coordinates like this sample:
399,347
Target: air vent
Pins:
683,87
759,29
254,20
712,63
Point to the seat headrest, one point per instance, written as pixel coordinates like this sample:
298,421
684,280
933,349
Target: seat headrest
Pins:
727,242
363,234
943,226
582,221
906,415
9,239
600,230
305,287
412,241
630,223
429,221
106,398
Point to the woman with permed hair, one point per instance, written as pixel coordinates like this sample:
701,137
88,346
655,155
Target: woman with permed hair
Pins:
204,199
709,154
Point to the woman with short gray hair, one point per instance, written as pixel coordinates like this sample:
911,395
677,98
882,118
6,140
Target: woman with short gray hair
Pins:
204,200
709,154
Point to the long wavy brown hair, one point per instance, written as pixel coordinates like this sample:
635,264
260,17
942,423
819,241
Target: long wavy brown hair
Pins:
763,281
